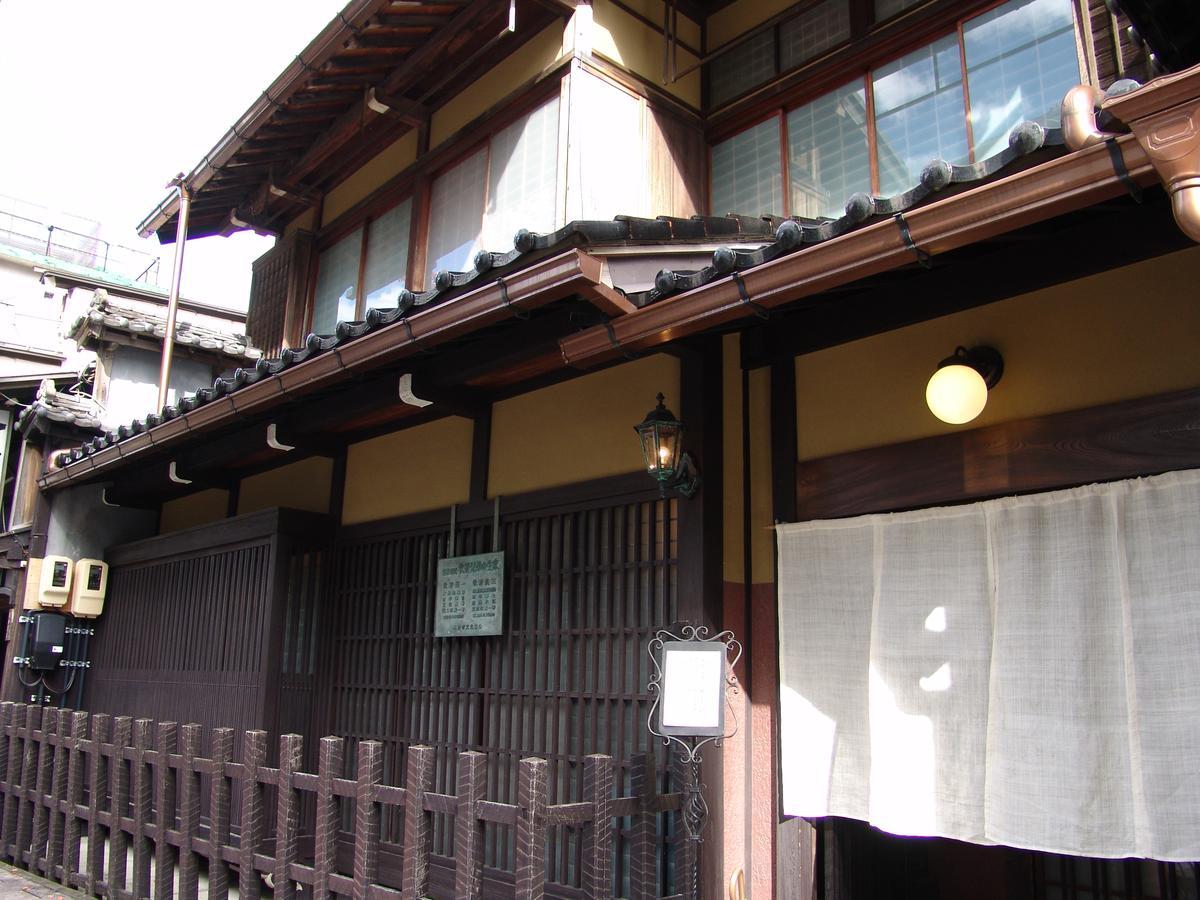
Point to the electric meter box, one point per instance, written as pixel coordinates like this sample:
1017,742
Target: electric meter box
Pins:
48,582
49,640
88,588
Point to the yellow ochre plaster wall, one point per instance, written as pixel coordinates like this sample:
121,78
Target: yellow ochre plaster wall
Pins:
1130,332
421,468
538,54
194,509
578,430
631,43
302,485
374,173
306,221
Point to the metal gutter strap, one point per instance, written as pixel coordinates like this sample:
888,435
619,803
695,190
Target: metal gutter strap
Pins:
1062,185
571,273
327,42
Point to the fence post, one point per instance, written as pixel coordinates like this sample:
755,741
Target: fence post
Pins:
468,830
28,786
6,716
71,828
140,801
366,817
287,815
330,765
254,755
118,779
164,811
12,791
417,780
97,789
41,789
57,794
597,834
643,850
218,812
533,790
188,785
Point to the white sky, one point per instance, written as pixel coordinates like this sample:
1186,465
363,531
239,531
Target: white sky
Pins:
105,100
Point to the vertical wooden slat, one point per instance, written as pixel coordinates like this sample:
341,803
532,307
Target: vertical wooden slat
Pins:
118,779
643,869
468,830
218,813
366,818
287,814
28,787
43,796
188,785
419,778
329,766
164,811
140,800
71,826
597,878
533,788
97,794
15,721
254,755
58,794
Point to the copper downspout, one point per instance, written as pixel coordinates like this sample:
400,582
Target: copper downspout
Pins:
185,205
1079,116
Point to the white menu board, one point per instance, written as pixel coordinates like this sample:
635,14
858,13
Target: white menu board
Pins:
693,688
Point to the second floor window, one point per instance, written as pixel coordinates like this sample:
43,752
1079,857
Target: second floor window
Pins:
1019,58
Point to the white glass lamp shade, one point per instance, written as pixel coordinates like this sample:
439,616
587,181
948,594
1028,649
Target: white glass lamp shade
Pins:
956,394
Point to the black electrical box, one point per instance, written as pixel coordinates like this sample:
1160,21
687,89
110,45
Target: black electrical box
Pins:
49,640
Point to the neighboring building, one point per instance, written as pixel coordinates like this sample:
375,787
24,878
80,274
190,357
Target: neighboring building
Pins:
497,246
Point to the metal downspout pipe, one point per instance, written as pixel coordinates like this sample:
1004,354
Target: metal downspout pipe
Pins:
185,203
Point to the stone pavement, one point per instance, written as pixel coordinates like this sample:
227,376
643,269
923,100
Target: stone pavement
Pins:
17,884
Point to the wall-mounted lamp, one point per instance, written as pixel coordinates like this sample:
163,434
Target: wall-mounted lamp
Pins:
958,390
660,433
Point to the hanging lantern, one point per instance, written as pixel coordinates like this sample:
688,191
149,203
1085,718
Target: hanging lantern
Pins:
660,433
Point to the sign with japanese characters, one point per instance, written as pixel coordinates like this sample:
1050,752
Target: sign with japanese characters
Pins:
470,596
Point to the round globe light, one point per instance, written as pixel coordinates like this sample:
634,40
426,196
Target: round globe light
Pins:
956,394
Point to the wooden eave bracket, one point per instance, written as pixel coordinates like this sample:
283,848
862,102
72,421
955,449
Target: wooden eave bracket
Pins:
411,112
281,436
415,390
1164,116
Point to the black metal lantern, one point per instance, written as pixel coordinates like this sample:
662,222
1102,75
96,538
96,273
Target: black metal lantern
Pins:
660,434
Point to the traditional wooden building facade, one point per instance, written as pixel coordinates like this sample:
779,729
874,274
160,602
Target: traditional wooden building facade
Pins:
503,229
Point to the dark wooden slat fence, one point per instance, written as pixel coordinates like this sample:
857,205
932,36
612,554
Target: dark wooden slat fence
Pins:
134,787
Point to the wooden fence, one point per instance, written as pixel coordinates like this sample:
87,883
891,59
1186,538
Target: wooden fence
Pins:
136,789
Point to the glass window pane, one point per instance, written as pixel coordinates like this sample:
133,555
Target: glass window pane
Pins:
1021,61
523,178
387,256
747,172
885,9
828,155
919,114
456,216
813,32
337,284
748,64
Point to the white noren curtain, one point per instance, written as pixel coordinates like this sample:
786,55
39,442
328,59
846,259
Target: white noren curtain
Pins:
1023,671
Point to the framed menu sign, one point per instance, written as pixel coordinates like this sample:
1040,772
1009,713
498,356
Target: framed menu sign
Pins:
470,596
693,689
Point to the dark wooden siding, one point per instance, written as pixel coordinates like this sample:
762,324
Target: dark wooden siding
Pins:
196,624
586,587
277,289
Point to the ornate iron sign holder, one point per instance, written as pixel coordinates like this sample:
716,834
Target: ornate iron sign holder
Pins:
692,735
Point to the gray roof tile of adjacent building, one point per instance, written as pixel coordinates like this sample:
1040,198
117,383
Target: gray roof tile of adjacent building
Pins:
778,236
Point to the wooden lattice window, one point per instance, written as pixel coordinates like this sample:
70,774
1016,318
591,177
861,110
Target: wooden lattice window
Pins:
585,589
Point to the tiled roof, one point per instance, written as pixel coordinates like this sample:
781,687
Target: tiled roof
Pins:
107,314
61,407
776,237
